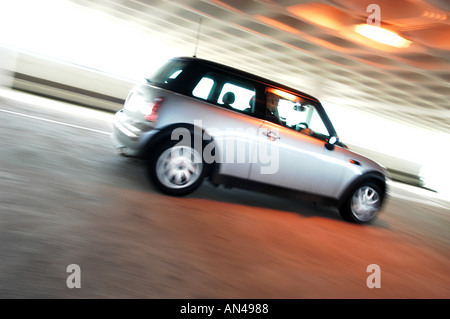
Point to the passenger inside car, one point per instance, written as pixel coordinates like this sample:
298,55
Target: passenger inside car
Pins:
228,99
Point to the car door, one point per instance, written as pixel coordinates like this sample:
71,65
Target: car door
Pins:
229,118
288,156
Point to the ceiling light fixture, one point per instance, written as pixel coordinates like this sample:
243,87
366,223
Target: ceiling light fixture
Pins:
382,35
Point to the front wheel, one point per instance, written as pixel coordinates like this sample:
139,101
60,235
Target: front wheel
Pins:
363,203
176,169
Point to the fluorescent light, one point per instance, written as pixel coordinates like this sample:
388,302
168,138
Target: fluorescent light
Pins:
382,35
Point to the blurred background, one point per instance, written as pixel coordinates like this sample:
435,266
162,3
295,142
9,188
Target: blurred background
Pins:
386,101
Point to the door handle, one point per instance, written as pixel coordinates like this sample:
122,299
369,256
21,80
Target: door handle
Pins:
271,135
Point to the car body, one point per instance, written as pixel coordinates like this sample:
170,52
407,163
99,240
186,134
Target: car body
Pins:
195,119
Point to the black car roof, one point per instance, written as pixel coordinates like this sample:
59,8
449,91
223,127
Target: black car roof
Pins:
245,74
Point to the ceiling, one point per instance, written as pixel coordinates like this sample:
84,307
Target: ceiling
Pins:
312,46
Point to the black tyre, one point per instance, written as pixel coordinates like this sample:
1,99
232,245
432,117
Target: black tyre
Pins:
177,169
363,203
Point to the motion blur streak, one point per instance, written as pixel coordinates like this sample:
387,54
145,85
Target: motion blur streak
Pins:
55,122
66,31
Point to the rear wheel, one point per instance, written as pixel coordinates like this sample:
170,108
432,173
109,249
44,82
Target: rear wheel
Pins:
177,169
363,203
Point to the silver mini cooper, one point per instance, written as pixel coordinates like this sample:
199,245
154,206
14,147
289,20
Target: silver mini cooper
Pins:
195,119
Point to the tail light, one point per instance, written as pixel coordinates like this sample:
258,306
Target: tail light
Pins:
152,115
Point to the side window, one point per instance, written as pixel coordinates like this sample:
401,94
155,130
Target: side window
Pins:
238,96
203,89
227,92
296,113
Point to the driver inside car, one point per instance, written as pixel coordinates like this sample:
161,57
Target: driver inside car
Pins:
302,127
305,130
272,108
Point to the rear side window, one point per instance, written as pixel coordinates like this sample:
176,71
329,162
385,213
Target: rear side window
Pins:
227,92
241,97
203,89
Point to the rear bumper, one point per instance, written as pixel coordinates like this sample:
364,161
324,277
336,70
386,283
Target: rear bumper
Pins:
128,139
125,138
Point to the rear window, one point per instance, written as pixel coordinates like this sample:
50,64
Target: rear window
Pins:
167,73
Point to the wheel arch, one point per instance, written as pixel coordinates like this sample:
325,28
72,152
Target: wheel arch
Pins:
165,134
373,176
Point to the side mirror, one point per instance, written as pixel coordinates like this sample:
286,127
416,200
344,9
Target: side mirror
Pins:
331,141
